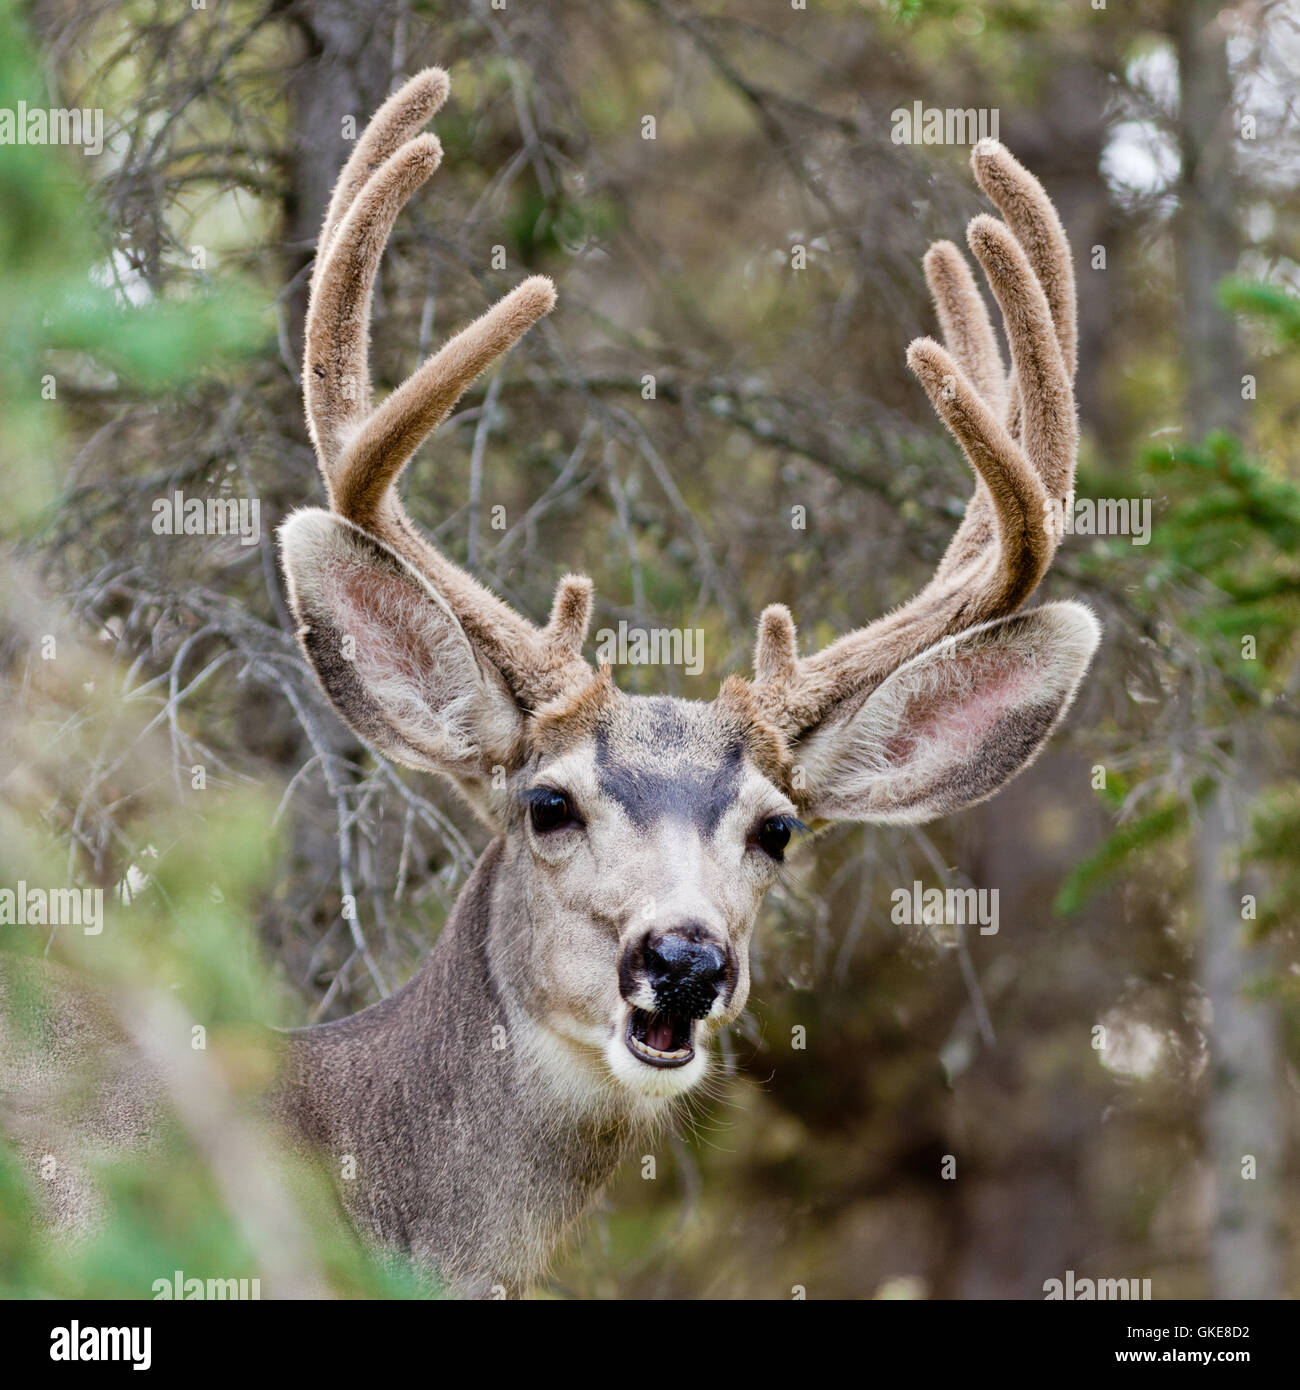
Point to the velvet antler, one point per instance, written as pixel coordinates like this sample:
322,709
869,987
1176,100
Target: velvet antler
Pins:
1018,434
362,448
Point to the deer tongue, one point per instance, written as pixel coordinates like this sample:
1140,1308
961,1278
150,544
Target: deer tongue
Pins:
661,1033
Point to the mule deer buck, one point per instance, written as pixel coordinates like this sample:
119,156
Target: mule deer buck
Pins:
556,1019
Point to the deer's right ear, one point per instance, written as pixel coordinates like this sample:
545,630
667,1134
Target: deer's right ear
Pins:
391,655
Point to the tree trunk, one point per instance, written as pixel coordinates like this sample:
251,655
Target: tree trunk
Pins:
348,72
1208,238
1242,1125
1241,1117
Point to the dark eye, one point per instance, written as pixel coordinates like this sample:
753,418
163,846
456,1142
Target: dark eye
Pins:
549,810
774,835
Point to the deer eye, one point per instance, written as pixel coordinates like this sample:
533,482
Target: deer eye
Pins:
549,810
774,833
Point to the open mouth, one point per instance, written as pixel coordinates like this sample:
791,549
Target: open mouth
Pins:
660,1040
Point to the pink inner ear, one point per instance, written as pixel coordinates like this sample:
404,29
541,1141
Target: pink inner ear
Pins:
417,689
964,700
378,611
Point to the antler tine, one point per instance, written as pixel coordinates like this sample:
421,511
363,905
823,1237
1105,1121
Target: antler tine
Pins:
1048,431
363,451
403,115
1028,211
375,458
1005,542
967,330
968,335
336,375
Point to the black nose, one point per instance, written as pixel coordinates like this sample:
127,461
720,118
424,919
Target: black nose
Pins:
685,970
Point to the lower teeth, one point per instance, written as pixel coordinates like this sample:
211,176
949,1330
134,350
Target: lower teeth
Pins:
673,1055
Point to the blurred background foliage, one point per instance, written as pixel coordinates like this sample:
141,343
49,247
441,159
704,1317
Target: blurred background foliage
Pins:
1100,1067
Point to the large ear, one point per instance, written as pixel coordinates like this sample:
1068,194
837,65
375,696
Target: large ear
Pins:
390,653
954,723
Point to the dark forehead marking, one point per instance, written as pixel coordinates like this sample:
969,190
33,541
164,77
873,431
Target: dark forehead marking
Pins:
654,769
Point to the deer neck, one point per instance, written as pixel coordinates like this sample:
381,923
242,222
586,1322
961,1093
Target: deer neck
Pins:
446,1115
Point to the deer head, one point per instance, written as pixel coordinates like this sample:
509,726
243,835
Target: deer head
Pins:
639,835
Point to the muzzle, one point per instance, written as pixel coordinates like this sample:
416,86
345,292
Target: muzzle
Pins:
671,977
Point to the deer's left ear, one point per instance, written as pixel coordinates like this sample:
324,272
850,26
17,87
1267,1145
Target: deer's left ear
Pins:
951,725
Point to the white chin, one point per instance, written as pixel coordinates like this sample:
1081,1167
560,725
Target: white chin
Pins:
643,1079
